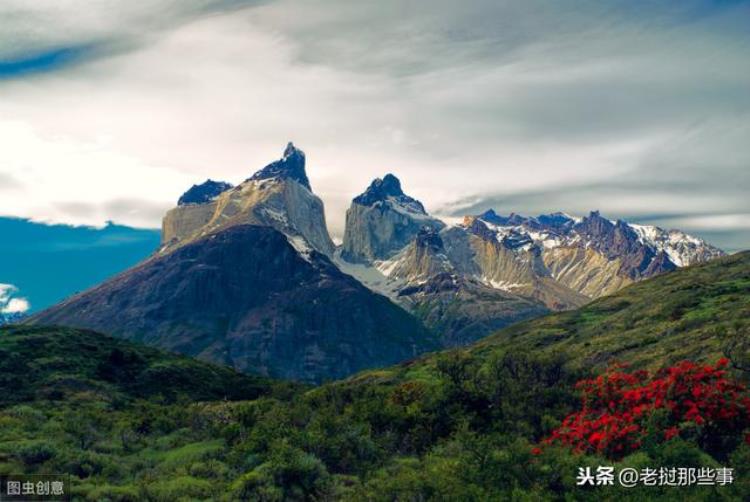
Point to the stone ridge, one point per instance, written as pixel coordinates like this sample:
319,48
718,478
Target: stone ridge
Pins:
205,192
387,187
291,165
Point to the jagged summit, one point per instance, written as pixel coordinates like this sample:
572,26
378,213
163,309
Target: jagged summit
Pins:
382,221
291,166
277,196
205,192
609,248
388,187
490,216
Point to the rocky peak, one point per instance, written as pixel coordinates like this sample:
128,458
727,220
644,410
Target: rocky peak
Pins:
594,224
513,219
290,166
388,188
205,192
490,216
479,228
555,221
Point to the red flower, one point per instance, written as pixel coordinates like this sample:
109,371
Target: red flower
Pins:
616,407
536,451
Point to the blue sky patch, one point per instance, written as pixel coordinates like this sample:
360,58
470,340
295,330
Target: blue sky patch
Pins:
42,62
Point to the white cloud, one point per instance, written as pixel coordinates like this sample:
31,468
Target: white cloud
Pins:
15,306
11,304
712,222
496,100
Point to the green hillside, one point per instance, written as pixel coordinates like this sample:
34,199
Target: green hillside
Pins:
457,425
689,314
56,363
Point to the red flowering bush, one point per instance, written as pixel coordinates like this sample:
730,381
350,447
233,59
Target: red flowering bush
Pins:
620,410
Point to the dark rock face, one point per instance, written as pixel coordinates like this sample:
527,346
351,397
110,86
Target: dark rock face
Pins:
618,240
429,238
205,192
291,165
555,221
478,228
381,189
463,310
660,264
246,298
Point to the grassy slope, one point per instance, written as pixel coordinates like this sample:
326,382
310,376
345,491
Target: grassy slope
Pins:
456,425
54,363
688,314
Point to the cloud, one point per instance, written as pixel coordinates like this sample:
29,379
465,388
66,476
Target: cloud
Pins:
8,182
530,106
11,304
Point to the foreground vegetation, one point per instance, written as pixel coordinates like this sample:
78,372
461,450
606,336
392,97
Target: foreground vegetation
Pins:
131,423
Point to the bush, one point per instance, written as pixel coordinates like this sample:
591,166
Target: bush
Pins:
621,411
35,452
181,488
109,493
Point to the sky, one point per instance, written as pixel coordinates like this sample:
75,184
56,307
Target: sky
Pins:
109,110
41,264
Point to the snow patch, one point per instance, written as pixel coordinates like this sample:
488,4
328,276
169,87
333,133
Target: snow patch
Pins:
301,246
504,285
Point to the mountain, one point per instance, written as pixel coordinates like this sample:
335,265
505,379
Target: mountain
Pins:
248,276
517,267
278,196
253,288
381,221
392,245
47,263
591,256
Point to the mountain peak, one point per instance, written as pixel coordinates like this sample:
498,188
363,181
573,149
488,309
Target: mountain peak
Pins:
490,216
205,192
388,187
291,166
292,151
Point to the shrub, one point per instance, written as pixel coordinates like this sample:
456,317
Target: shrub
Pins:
620,410
35,452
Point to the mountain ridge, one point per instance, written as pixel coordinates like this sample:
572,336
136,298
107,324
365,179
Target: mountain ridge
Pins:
248,276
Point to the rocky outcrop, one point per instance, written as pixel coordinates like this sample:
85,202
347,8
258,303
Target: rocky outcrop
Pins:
205,192
420,260
462,310
278,196
382,221
291,166
246,297
509,261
